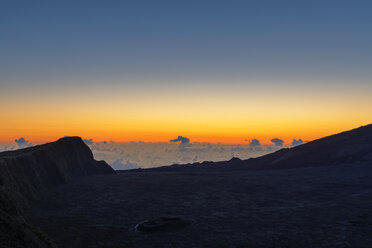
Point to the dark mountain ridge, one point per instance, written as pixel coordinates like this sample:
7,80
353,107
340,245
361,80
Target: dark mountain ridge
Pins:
348,147
26,172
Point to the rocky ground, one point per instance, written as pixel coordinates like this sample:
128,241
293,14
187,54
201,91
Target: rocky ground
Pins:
305,207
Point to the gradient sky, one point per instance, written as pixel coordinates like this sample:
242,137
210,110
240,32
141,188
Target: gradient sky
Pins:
215,71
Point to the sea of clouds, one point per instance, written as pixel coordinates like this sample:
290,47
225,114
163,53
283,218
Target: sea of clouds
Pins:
132,155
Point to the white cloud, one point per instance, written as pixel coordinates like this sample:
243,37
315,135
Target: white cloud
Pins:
120,165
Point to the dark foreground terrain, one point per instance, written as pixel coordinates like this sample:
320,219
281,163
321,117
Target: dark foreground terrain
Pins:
327,206
315,195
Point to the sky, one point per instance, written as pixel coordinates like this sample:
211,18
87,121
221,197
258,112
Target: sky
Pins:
211,71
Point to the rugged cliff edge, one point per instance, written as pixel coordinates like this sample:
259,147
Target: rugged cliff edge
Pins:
25,172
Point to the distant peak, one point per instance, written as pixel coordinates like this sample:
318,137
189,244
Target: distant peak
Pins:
71,138
235,159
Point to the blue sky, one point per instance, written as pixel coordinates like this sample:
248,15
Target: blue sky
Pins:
162,40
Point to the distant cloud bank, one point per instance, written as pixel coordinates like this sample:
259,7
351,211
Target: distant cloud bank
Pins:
254,142
88,141
133,155
297,142
277,142
181,139
22,143
120,165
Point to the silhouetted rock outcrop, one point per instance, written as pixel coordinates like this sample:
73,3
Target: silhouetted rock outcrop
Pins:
25,172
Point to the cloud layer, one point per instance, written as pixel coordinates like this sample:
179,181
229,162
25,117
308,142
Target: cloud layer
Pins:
254,142
22,143
146,155
297,142
132,155
277,142
181,139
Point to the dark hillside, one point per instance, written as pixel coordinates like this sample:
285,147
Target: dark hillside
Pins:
26,172
350,147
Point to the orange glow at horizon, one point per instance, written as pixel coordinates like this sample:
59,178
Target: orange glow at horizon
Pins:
212,130
218,116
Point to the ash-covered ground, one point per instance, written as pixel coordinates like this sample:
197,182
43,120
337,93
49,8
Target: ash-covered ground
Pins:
305,207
